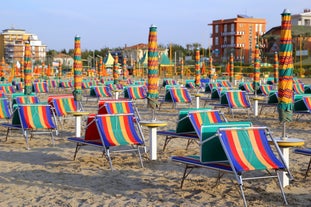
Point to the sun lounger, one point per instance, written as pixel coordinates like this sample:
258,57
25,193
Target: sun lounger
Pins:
240,151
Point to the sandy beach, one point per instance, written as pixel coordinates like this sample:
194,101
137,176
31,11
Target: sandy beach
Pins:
48,176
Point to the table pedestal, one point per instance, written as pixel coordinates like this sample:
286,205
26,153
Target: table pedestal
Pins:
78,116
153,125
256,99
284,145
197,100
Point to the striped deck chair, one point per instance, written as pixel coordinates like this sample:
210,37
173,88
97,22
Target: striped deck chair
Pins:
61,105
100,92
247,150
52,84
118,106
7,89
19,86
248,87
25,99
34,119
306,152
117,131
302,105
209,87
298,88
265,89
5,110
239,151
176,95
66,84
224,83
238,100
135,92
208,156
40,87
188,130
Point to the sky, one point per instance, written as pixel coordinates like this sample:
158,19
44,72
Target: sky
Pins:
108,23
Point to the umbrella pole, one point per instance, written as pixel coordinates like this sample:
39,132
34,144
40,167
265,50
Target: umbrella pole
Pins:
284,137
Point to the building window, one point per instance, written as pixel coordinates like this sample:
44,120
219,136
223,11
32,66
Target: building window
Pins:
225,28
307,22
216,41
216,28
232,28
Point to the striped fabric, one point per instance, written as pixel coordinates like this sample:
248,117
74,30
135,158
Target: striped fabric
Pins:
40,87
224,83
19,86
2,94
5,112
66,84
265,89
190,85
62,105
117,130
248,87
249,149
198,118
26,99
180,95
298,88
52,83
34,116
237,99
7,89
136,92
170,82
119,107
307,101
86,85
102,91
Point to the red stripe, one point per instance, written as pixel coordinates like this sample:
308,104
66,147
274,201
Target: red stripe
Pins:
105,129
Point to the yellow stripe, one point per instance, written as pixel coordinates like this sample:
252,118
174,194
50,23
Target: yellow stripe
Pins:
110,130
122,126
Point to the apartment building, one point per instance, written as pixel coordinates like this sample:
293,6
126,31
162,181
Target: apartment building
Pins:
12,46
238,36
302,19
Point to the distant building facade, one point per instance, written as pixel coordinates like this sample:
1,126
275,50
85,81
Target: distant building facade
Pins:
136,52
302,19
12,46
238,36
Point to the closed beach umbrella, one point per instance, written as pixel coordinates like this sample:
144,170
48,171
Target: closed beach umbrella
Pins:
256,81
27,70
211,67
153,67
231,63
60,70
100,68
276,68
77,69
125,72
285,87
115,69
181,68
197,68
